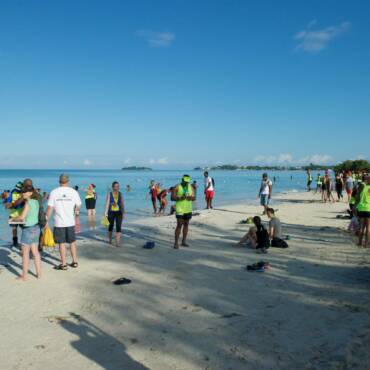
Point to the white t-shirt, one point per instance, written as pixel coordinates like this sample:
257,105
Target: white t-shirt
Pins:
265,186
208,181
64,200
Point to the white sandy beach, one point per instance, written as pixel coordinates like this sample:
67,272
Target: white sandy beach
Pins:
196,308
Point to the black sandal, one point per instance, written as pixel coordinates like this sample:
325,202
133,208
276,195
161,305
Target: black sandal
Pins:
61,267
74,265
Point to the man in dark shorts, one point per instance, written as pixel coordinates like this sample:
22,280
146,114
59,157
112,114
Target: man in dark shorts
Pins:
184,196
65,203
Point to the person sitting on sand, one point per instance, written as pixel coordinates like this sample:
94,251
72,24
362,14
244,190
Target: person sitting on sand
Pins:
275,230
249,238
30,231
184,197
262,236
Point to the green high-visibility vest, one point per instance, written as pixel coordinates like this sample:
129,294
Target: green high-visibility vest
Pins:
184,206
364,203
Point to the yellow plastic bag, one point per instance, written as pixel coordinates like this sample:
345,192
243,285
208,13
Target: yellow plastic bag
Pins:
47,238
104,221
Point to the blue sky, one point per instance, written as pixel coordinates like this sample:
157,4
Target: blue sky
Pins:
103,84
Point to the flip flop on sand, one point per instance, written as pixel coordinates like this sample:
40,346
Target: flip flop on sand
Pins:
122,281
61,267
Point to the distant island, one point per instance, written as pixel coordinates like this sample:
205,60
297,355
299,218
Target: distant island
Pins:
135,168
356,165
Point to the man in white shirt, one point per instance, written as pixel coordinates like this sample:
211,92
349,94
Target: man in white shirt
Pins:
65,203
209,190
265,192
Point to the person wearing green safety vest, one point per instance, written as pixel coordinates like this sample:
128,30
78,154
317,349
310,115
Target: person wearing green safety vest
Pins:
184,196
363,212
309,180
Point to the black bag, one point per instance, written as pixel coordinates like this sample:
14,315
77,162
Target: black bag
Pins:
42,215
279,243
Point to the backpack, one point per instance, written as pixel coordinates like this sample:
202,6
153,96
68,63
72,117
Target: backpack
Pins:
42,215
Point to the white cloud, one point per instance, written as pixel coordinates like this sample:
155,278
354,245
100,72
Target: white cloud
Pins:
161,161
317,159
314,41
157,39
87,162
285,158
266,159
127,161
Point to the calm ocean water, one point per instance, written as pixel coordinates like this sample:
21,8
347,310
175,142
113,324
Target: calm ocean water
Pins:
231,187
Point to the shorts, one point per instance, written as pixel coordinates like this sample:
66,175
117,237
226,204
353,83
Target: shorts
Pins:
90,203
30,235
64,235
264,199
185,216
210,194
115,217
349,191
363,214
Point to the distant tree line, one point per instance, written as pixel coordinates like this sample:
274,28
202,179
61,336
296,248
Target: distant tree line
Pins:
349,165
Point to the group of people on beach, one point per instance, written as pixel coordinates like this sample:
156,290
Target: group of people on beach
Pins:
356,185
26,209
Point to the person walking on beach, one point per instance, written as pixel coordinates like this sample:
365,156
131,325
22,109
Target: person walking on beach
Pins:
115,210
209,190
30,231
90,203
339,186
265,192
363,212
318,183
183,195
349,185
65,203
309,180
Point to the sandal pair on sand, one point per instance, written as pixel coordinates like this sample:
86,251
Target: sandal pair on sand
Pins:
65,267
260,266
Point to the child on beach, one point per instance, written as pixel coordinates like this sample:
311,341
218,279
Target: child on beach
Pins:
30,232
249,238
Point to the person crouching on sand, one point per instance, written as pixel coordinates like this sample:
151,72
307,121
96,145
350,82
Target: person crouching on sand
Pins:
30,231
183,195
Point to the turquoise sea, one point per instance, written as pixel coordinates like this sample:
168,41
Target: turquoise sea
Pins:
231,187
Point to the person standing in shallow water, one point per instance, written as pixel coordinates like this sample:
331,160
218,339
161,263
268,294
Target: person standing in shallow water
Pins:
183,195
309,180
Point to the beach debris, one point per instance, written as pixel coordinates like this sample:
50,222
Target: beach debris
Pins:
231,315
122,281
149,245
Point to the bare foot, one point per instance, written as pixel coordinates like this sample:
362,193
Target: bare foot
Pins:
22,278
176,246
184,244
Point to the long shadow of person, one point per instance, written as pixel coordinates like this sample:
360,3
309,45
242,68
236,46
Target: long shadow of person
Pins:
8,263
98,346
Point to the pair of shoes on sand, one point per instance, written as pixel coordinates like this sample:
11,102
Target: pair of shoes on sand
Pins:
260,266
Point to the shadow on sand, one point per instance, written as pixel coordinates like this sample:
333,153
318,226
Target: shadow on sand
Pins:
98,346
